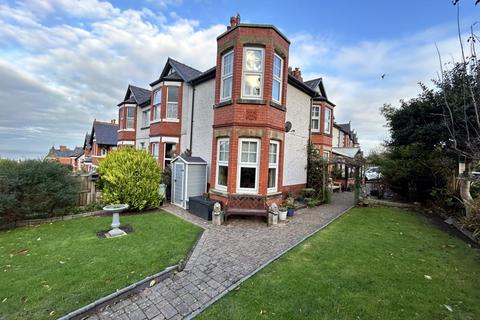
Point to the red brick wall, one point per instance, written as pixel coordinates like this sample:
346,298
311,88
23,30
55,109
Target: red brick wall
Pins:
129,135
170,129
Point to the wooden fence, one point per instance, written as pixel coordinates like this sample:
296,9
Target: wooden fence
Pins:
86,191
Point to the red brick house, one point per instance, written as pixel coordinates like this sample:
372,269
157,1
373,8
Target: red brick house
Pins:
66,156
250,117
101,140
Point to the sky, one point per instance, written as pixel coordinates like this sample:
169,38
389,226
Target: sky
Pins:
64,63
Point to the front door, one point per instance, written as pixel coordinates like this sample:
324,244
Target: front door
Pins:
178,183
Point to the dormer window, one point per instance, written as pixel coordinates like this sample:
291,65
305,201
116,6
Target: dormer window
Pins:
252,73
227,76
157,104
277,78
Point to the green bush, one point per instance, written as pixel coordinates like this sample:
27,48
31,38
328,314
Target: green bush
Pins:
130,176
34,187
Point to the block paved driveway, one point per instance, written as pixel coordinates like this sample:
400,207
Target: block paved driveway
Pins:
223,257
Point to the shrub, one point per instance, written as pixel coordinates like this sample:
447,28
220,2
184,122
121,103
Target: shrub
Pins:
315,171
34,187
130,176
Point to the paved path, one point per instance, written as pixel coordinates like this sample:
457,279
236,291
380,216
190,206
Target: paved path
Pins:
224,256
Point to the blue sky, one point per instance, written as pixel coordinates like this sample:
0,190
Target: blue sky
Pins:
64,63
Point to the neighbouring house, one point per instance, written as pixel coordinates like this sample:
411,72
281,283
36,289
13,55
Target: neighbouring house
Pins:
134,118
345,146
250,117
101,140
86,161
66,156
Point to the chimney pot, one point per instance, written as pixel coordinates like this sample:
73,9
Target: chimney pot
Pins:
112,121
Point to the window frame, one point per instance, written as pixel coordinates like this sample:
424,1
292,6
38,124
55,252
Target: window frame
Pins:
165,156
157,108
169,103
246,73
330,111
153,149
279,79
273,165
131,118
312,117
223,76
121,118
241,164
146,118
221,163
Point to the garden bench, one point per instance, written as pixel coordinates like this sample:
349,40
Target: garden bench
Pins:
246,205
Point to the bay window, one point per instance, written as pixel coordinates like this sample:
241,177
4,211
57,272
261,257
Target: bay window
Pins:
277,78
273,166
223,152
130,117
316,118
157,104
172,102
248,165
227,76
252,73
327,123
145,118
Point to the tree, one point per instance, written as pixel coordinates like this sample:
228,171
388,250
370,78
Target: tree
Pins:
130,176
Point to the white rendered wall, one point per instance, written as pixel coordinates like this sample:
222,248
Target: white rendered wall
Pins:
142,135
296,141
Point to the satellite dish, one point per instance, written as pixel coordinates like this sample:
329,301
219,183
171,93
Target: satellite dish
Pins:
288,126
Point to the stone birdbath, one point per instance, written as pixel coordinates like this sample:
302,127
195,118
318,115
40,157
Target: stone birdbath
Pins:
115,209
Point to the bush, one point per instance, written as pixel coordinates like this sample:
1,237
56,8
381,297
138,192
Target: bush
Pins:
34,187
315,171
130,176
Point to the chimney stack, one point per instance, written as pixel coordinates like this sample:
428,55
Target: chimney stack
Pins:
234,21
296,73
63,148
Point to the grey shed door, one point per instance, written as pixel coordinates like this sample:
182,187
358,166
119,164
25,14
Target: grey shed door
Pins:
178,183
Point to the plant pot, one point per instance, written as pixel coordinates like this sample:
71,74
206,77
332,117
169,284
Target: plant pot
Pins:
290,212
282,215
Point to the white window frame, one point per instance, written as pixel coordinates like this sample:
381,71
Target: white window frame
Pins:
146,118
222,163
248,165
226,76
246,72
103,152
121,117
326,155
277,79
157,108
165,156
327,121
155,148
170,103
273,165
317,117
132,118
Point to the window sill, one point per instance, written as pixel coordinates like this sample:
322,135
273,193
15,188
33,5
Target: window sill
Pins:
273,194
223,103
219,192
170,120
251,101
126,130
155,121
277,105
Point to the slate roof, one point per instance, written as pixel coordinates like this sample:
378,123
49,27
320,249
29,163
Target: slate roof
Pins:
86,143
105,133
191,159
317,85
345,127
136,95
67,153
182,71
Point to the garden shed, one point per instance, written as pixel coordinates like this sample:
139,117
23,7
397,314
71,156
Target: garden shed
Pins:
189,179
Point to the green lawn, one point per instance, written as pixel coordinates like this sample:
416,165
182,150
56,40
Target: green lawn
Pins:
52,269
373,263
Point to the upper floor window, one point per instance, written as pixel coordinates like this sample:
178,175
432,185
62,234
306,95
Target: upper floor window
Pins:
145,118
172,102
327,121
130,117
157,104
252,73
277,78
316,118
120,118
223,152
227,76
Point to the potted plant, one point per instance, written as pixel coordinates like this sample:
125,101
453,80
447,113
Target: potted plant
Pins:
290,204
282,213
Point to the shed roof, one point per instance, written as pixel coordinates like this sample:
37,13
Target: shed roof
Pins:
190,160
346,152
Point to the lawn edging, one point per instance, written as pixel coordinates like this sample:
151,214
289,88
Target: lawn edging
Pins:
122,293
33,222
239,282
